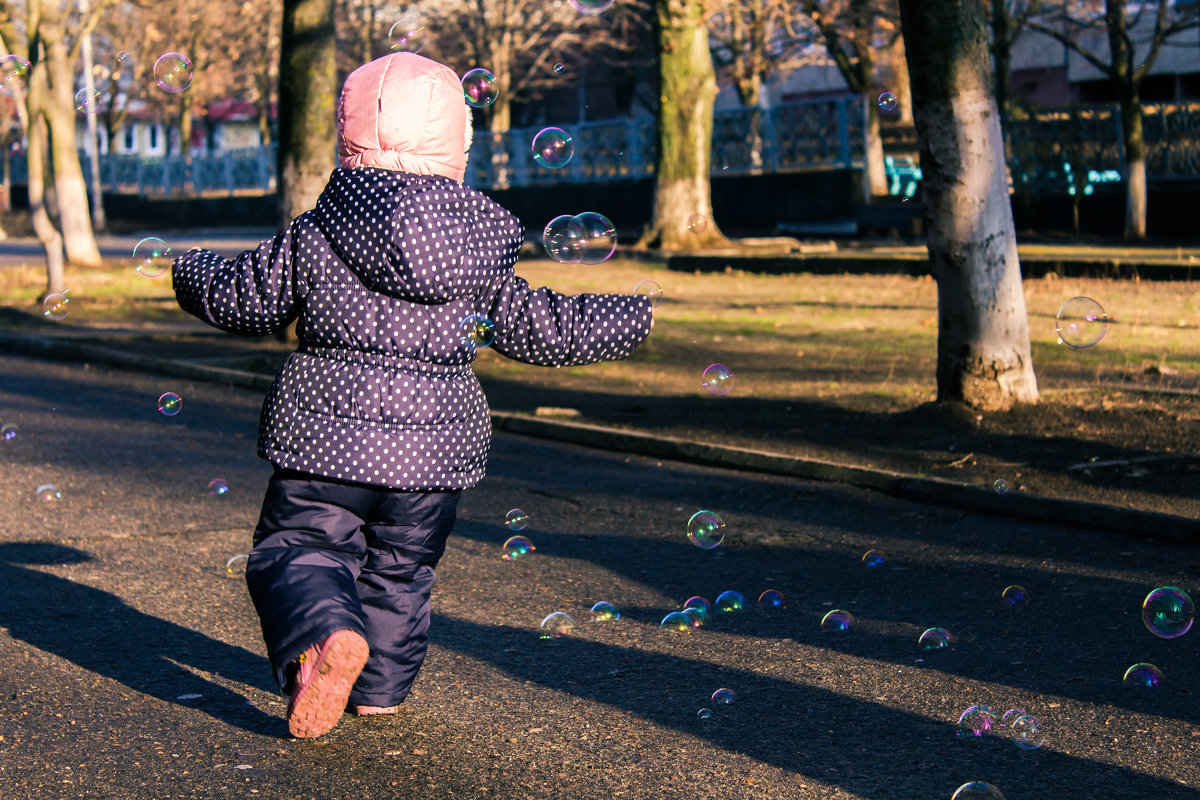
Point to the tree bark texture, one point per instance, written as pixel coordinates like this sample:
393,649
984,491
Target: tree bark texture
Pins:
35,155
307,93
688,86
1127,84
983,332
875,171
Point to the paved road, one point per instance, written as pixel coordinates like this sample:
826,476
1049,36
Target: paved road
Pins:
25,249
130,664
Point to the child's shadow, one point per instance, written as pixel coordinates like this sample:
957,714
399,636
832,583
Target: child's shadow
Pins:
101,633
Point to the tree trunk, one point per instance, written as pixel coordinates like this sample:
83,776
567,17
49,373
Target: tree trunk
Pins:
983,333
688,89
1135,167
875,183
307,92
49,237
185,126
899,65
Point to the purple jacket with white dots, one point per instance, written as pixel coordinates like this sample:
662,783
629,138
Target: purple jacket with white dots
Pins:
380,276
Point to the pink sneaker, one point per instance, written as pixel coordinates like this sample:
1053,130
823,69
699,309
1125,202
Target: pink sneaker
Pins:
325,674
368,711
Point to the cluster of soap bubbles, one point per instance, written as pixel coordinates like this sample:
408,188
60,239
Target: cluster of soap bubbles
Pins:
1081,322
587,238
1025,730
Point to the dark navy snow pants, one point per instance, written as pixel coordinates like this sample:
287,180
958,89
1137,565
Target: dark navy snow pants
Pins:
332,556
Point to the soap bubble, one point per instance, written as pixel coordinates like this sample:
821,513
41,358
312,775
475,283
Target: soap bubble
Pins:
1011,715
696,223
14,76
559,69
888,101
87,102
591,7
717,379
1001,486
704,714
480,87
236,565
173,72
152,256
677,621
697,617
837,621
1081,322
1168,612
723,697
553,147
935,639
54,306
9,431
1145,676
604,611
565,239
651,290
516,519
976,721
599,237
556,625
515,547
169,404
124,59
730,601
700,606
770,599
1015,596
218,487
705,530
1027,732
406,36
46,493
873,559
477,331
977,790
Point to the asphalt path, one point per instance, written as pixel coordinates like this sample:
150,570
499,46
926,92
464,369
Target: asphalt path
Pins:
131,665
26,250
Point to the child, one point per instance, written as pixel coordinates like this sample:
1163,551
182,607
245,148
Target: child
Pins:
376,423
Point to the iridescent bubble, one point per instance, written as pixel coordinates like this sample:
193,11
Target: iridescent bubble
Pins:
599,237
934,639
696,223
124,59
559,69
976,721
605,611
46,493
87,102
477,331
705,530
565,239
723,697
236,565
515,547
1015,596
1011,715
771,599
557,625
516,519
1168,612
717,379
1027,732
591,7
677,621
173,72
54,306
553,147
704,714
651,290
218,487
152,256
977,790
1081,322
169,404
873,559
1142,676
14,76
888,101
700,606
698,619
837,621
730,601
9,431
480,87
1001,486
406,36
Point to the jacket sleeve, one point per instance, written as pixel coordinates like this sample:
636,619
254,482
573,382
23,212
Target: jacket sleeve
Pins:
254,294
543,327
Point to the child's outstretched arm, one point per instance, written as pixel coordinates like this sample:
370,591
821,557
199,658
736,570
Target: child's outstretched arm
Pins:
254,294
541,326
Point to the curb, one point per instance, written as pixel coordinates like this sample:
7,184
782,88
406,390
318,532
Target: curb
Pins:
938,491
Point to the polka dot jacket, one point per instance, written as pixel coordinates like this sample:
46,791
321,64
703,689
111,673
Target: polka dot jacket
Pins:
379,277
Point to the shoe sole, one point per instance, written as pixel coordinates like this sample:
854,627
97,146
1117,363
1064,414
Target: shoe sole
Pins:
319,704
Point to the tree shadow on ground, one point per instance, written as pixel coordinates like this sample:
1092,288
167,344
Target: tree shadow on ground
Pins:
99,632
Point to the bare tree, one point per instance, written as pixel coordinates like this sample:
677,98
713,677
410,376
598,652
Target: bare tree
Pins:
983,331
1009,19
1126,62
308,87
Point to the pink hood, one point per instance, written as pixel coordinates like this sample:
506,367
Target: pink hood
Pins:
403,112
